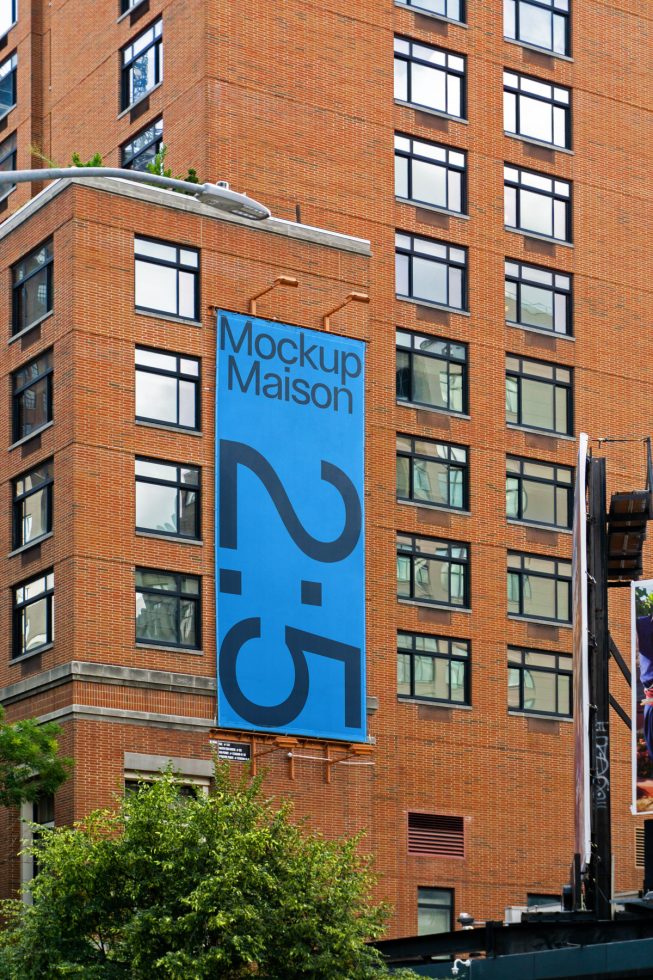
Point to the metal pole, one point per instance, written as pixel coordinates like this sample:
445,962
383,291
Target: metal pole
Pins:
601,863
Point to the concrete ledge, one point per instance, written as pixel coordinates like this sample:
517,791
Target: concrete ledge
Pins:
142,762
91,712
96,673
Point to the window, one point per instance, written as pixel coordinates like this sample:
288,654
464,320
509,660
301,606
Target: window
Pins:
432,668
166,278
167,498
432,472
431,372
538,395
537,204
429,173
8,85
167,388
126,5
539,588
142,149
436,835
33,614
451,9
434,910
539,683
429,77
142,64
541,901
32,288
542,23
431,271
8,15
32,505
41,812
539,493
538,298
536,110
8,160
32,396
167,609
432,571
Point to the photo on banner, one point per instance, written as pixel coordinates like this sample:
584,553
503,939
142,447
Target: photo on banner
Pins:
642,695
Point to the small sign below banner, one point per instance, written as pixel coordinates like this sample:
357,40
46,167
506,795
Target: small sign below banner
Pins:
234,751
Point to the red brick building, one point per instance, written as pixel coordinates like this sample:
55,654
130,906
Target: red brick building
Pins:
520,161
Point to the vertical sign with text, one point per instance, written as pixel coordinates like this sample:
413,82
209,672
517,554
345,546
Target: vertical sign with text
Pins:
290,559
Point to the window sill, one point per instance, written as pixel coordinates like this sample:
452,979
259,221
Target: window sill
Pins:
11,26
169,537
432,408
540,432
9,109
32,653
439,507
132,105
432,306
539,527
534,47
10,190
538,238
32,326
402,699
514,713
431,112
32,435
437,606
131,10
162,646
168,428
540,622
541,331
432,207
540,143
30,544
414,9
169,317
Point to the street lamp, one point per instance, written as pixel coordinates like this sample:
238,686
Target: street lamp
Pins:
215,195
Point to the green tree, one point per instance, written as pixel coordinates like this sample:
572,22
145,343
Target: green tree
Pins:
30,764
158,166
221,886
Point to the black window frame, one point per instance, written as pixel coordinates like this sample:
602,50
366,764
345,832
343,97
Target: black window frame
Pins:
414,153
553,194
411,56
520,276
180,487
411,249
179,375
520,572
127,62
18,499
178,266
520,476
180,596
516,661
14,15
18,392
445,356
547,5
407,549
422,8
519,89
18,605
8,161
448,462
12,72
450,906
18,285
448,656
126,6
129,158
556,381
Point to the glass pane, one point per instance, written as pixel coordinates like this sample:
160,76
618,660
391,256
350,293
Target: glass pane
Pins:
34,517
512,400
538,502
536,214
559,35
156,617
187,295
559,127
512,497
403,575
431,920
535,25
429,280
155,287
428,87
156,359
188,622
536,306
455,190
188,405
431,580
564,694
155,250
403,477
560,219
454,95
514,695
401,176
156,398
403,674
513,592
537,404
34,623
401,80
430,482
511,301
430,383
563,601
401,275
33,408
33,300
403,376
510,112
188,503
510,206
156,508
535,119
539,597
562,423
429,183
509,29
544,691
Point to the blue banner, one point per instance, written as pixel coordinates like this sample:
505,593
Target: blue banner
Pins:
290,556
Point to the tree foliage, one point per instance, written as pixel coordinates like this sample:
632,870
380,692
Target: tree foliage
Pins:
221,886
30,764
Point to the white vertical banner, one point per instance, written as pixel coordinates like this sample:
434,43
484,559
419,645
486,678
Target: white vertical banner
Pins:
581,665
